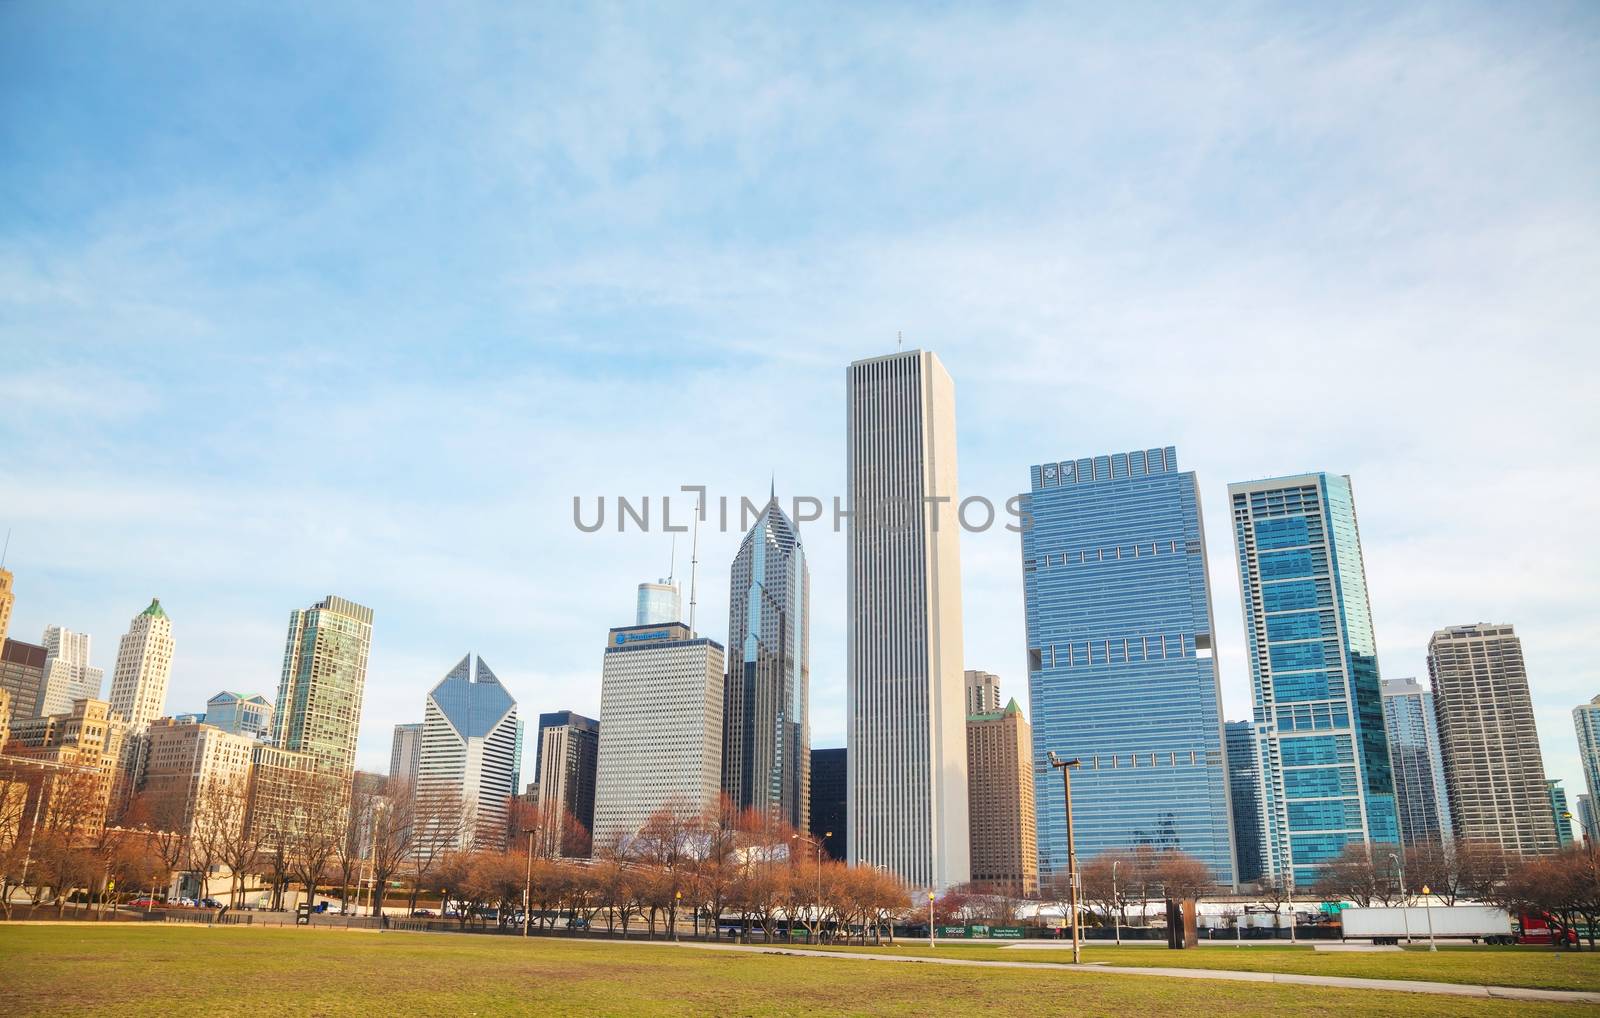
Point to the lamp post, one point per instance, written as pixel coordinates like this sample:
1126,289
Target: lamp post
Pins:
1288,878
930,920
1116,903
677,903
1405,911
1065,767
527,886
1427,909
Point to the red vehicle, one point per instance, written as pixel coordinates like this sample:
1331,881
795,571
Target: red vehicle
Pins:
1536,928
143,903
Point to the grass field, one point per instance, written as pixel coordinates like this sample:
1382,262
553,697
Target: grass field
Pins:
159,970
1539,967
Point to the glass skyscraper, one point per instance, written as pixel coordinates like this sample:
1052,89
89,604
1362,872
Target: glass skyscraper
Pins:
1419,791
324,676
1244,787
1326,781
1120,667
1586,720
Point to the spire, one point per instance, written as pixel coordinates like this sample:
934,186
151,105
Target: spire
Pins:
773,495
155,610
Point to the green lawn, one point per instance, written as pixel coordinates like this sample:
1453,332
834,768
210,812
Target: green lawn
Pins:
126,969
1539,967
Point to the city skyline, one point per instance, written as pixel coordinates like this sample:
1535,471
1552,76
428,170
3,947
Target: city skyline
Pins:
153,447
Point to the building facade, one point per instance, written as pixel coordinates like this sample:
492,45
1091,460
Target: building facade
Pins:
830,796
88,740
240,713
569,751
318,709
1000,802
8,597
1559,811
983,692
68,675
1326,778
1122,671
405,750
658,603
904,722
1244,792
183,765
144,665
766,749
22,676
660,741
1586,819
471,754
1419,792
1586,721
1493,768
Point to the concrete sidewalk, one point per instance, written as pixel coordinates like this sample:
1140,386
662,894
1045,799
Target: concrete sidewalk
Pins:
1341,982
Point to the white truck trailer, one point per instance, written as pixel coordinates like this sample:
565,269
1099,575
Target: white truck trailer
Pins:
1455,922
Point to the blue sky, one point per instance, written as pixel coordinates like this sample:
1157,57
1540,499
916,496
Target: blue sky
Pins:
299,299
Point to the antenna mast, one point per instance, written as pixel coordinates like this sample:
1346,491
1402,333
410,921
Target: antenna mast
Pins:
672,569
694,560
6,550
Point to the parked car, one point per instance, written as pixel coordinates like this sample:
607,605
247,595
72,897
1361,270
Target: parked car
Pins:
577,923
210,903
422,913
145,902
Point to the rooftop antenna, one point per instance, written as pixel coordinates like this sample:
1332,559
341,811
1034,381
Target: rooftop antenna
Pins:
6,550
899,340
694,558
672,569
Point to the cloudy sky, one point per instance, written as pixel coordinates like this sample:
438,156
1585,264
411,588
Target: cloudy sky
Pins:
356,298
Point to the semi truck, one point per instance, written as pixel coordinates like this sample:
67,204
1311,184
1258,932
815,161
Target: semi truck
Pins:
1456,922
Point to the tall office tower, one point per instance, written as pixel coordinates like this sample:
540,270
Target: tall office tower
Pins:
1419,794
1326,781
240,713
983,692
5,717
1559,811
905,726
404,752
830,798
658,604
1000,802
660,728
88,736
471,752
1586,720
766,747
1586,819
569,748
144,664
22,675
1244,793
318,709
182,762
1121,672
68,676
1492,766
8,597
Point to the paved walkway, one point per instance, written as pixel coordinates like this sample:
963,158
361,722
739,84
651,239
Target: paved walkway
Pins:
1342,982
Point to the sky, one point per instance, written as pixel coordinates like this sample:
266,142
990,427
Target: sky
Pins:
299,299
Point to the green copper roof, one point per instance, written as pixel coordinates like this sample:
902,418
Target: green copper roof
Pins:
1010,708
155,610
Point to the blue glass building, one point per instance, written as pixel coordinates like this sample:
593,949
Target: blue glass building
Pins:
1326,780
1244,786
1420,798
1120,666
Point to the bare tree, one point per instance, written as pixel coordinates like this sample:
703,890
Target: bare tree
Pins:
321,821
439,822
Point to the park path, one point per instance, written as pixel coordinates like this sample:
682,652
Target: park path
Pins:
1342,982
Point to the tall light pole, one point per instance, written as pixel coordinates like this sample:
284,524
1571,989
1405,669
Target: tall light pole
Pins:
1405,911
1288,876
930,920
1065,767
527,886
1427,907
1116,909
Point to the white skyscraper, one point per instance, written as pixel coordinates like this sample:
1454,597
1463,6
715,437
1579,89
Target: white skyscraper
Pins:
404,753
68,675
471,748
907,726
144,664
660,728
983,692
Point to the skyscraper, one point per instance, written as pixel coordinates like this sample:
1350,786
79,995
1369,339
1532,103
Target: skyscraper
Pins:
1586,819
240,713
830,772
906,728
471,754
766,750
22,675
1121,670
1559,811
405,749
8,597
1244,791
68,676
1000,802
1586,720
1493,769
144,664
982,692
660,728
658,603
1313,672
1419,792
318,708
569,748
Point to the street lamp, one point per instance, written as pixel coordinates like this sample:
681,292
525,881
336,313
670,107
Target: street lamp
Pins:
1405,911
527,886
1065,767
1427,909
1289,883
677,903
930,920
1116,911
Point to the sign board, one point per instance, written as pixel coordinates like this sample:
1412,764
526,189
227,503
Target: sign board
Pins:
302,914
1006,932
977,931
952,931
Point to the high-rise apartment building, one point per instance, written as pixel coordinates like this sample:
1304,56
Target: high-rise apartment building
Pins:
1586,721
569,750
1419,791
1000,802
1122,671
1586,819
830,798
404,752
1559,811
1244,792
766,749
660,728
68,676
318,709
471,754
983,692
1326,778
144,664
1493,769
240,713
905,725
185,763
22,675
658,604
